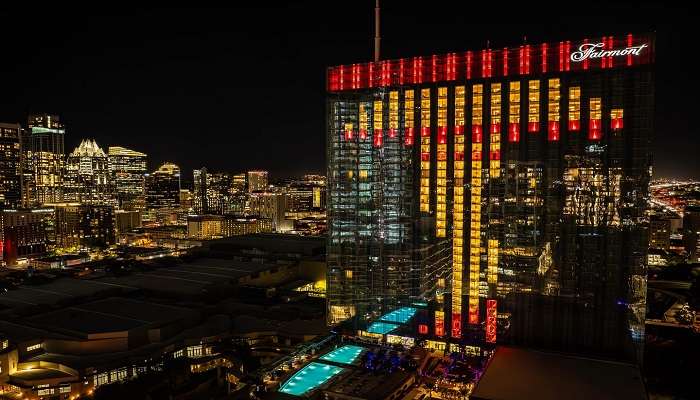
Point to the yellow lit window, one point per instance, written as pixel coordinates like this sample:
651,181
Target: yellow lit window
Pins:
514,101
553,97
394,110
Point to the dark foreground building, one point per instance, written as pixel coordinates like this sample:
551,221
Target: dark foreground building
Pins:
509,185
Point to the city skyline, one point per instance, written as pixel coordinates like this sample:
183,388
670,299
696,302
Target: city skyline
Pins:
377,200
160,81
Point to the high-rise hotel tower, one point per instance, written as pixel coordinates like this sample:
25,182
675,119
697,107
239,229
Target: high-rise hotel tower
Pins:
509,185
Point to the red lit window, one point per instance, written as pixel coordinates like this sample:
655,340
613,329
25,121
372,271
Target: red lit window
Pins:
491,320
470,61
409,137
513,132
544,57
456,325
616,121
629,44
595,128
477,133
505,61
378,138
442,134
423,329
553,131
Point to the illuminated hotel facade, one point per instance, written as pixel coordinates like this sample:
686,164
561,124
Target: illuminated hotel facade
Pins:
508,186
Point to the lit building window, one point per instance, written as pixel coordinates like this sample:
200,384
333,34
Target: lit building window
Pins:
594,125
616,121
363,121
533,106
441,214
378,130
439,323
393,114
348,274
553,97
475,203
348,131
458,213
425,151
491,320
34,347
492,277
495,142
409,125
514,112
574,108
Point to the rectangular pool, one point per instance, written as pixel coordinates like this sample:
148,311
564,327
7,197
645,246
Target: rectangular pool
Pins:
309,378
381,327
400,315
347,354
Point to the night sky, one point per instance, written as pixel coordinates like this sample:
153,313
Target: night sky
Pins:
237,89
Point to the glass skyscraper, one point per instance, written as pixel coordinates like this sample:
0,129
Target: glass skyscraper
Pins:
508,187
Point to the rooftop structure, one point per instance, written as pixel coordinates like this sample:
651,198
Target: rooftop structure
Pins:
515,374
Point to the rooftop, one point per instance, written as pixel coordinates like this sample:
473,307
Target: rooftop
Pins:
515,373
112,315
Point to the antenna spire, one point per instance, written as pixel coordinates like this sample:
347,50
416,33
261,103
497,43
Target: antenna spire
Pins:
377,38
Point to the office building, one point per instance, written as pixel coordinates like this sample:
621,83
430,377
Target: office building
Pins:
204,227
126,220
128,170
273,206
10,165
239,182
163,187
691,233
24,234
660,231
509,185
44,156
257,180
235,225
84,225
87,178
214,193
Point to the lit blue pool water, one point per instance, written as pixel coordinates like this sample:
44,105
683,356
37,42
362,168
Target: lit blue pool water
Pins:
400,315
344,355
309,378
381,327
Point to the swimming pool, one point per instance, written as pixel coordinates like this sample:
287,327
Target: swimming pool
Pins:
344,355
381,327
309,378
400,315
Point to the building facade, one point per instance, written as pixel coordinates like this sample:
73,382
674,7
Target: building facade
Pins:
88,179
24,234
44,158
10,165
509,186
163,193
84,225
273,206
127,170
257,180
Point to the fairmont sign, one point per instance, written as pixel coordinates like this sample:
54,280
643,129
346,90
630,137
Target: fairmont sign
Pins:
594,50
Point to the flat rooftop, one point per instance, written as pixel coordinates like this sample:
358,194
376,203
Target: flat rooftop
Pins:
52,292
189,278
515,373
109,315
